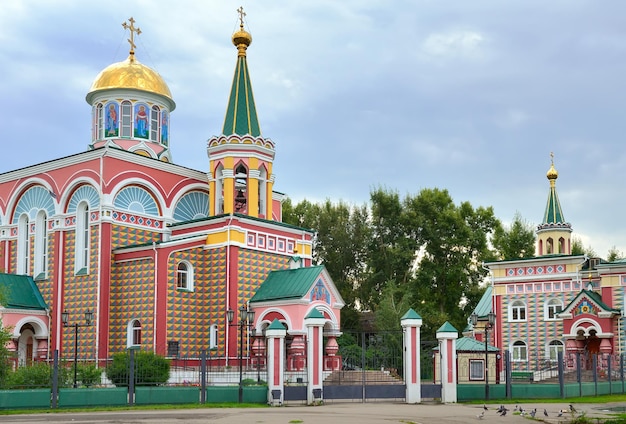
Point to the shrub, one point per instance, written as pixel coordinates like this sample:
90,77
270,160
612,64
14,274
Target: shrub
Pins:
89,374
150,369
38,374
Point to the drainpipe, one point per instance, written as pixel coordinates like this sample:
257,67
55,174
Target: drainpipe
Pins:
228,283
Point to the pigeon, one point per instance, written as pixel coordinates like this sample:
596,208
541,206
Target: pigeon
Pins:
545,413
533,412
560,414
481,415
503,412
571,408
485,408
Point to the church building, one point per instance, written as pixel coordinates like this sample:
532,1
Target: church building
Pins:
553,302
139,251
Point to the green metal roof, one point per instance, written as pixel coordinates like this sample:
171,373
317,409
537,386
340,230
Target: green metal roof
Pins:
447,328
20,292
287,284
553,213
484,305
470,344
411,314
241,117
314,314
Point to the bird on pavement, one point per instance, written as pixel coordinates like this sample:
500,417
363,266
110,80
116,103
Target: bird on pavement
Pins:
481,415
485,408
545,413
533,412
571,408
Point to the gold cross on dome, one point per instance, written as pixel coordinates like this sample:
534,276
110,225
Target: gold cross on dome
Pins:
132,30
242,14
552,157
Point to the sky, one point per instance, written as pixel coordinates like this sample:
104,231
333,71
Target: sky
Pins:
467,96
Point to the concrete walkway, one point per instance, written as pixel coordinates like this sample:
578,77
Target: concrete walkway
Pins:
344,413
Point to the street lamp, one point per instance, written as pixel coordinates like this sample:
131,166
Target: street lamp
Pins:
491,320
65,317
246,319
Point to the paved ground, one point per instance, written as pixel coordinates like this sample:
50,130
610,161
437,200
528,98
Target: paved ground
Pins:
344,413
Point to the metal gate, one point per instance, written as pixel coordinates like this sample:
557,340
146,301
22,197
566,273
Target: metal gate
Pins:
430,389
372,368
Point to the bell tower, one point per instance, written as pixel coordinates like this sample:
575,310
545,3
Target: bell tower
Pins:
553,234
240,159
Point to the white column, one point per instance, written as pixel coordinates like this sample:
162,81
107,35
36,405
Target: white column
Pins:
411,323
314,323
275,340
447,336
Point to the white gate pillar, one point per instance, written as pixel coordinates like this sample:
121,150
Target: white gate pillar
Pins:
411,323
314,323
447,336
275,335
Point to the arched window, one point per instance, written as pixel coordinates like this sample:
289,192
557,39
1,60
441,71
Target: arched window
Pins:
520,351
549,246
154,124
241,189
134,333
184,276
262,191
552,308
561,245
127,119
554,348
23,245
41,245
218,196
517,311
136,199
82,239
193,205
213,336
99,123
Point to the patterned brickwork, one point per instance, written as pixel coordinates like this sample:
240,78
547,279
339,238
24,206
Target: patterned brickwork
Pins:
132,297
122,235
191,313
45,286
253,269
80,293
535,331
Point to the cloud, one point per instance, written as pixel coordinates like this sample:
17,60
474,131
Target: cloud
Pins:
454,44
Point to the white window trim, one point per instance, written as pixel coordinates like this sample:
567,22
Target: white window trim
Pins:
482,374
546,309
130,333
553,347
213,336
41,246
190,276
82,237
516,305
23,244
514,347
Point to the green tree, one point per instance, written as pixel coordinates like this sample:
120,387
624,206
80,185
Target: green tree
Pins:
515,241
579,249
453,244
5,355
614,254
341,238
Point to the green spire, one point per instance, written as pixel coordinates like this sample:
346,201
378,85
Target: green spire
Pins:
241,118
554,213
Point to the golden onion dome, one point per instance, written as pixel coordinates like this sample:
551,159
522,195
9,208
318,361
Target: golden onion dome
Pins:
242,37
130,74
552,174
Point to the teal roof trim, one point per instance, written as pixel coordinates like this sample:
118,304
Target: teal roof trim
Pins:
287,284
241,117
315,313
484,305
20,292
447,328
411,314
470,344
276,325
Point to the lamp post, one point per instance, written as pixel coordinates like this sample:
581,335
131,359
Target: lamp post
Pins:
491,320
246,319
65,316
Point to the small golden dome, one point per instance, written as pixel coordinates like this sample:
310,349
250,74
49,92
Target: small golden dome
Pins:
552,174
130,74
242,37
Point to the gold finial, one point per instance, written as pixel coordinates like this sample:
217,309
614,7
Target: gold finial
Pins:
132,30
242,14
552,174
242,38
